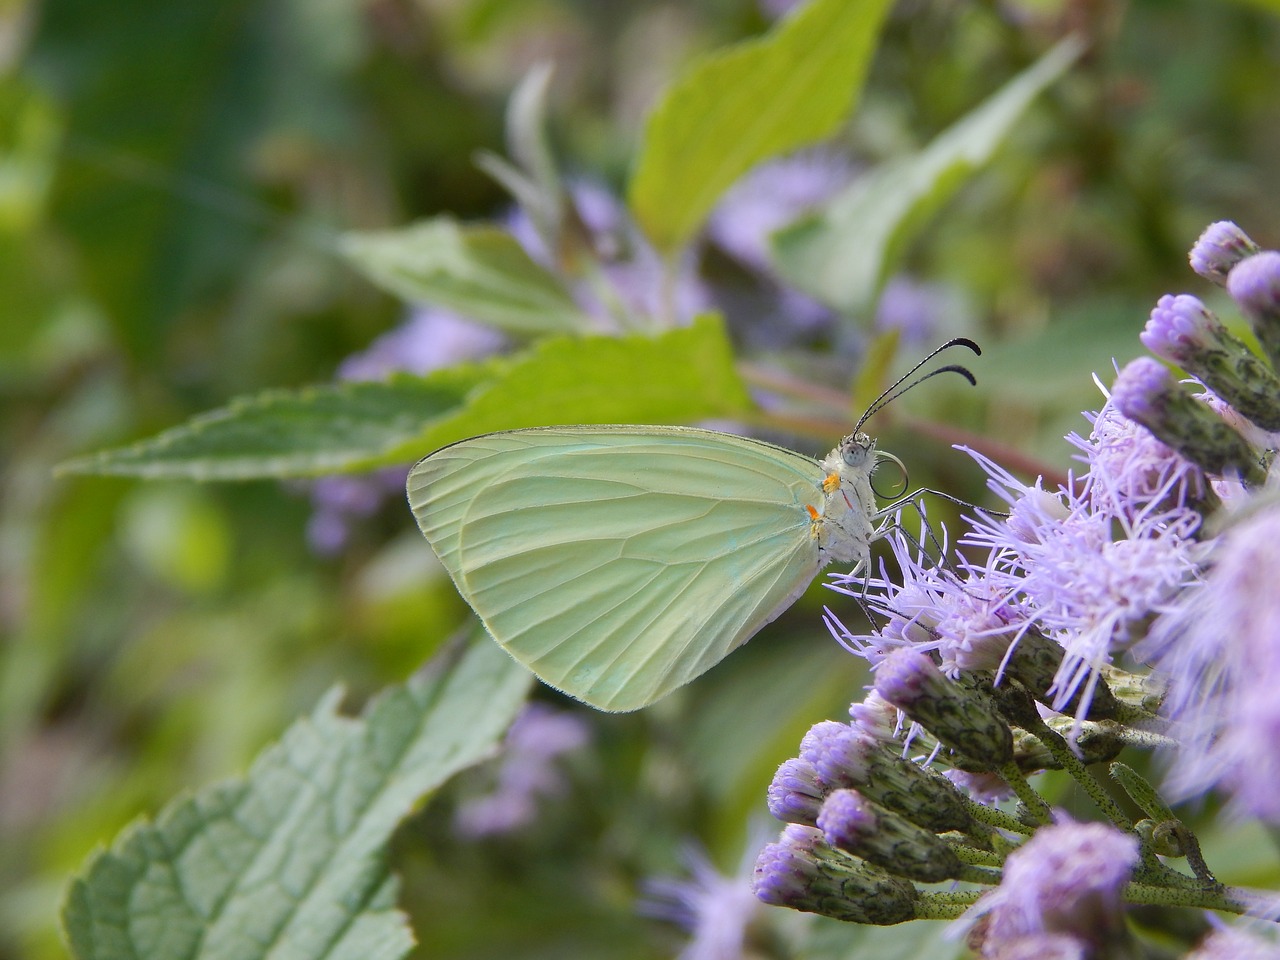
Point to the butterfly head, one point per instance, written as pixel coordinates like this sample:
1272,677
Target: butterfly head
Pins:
858,451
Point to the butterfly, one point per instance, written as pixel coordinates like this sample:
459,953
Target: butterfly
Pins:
619,562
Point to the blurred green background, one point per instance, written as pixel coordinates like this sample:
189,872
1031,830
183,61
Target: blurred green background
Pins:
172,177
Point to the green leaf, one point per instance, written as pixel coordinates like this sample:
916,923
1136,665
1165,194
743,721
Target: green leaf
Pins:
918,940
840,256
478,270
747,103
290,433
680,375
156,187
289,861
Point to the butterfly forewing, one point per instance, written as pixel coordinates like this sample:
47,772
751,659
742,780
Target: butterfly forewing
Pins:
619,563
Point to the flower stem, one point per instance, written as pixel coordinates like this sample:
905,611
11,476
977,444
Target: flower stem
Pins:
1062,752
945,906
1035,804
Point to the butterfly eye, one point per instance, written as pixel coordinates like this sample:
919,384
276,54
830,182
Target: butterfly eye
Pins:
857,450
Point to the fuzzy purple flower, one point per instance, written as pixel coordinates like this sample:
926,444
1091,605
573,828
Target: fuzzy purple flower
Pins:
1179,328
1130,471
1254,284
772,196
527,773
1067,880
1139,387
802,871
716,909
916,310
1219,248
1075,581
431,338
796,792
1233,943
1219,650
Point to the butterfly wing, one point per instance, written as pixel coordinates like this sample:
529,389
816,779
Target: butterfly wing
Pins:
618,562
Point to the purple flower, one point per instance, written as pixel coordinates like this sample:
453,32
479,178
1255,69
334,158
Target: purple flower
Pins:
917,310
796,792
428,340
802,871
772,196
1042,946
1219,650
1084,588
838,753
1254,284
1139,387
632,286
527,772
876,717
1130,471
1220,247
1233,943
1066,880
982,787
1179,328
717,910
962,719
337,501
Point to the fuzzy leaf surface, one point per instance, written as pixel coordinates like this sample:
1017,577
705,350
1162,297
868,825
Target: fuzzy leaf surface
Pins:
289,861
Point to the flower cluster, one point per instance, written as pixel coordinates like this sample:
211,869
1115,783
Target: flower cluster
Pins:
1132,606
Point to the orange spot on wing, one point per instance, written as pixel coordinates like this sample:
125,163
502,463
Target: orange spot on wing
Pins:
813,512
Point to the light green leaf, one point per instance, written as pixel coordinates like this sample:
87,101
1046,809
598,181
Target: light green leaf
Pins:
478,270
840,256
739,106
289,861
678,376
918,940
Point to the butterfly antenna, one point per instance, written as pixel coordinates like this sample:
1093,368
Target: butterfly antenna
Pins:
896,389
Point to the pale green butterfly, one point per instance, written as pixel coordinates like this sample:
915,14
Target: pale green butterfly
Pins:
620,562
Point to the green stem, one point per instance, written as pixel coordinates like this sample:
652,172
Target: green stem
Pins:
1227,899
945,906
1035,804
994,817
982,875
972,855
1062,752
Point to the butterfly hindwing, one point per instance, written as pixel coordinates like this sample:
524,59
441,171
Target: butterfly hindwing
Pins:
619,563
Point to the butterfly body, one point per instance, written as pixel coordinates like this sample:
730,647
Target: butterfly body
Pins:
620,562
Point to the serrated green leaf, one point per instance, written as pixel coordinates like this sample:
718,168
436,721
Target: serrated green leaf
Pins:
745,104
290,433
289,862
841,256
675,377
478,270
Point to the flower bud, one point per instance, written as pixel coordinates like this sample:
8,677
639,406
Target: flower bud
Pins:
1035,663
802,871
964,720
1183,331
855,825
1145,392
843,756
796,792
1255,285
1220,247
